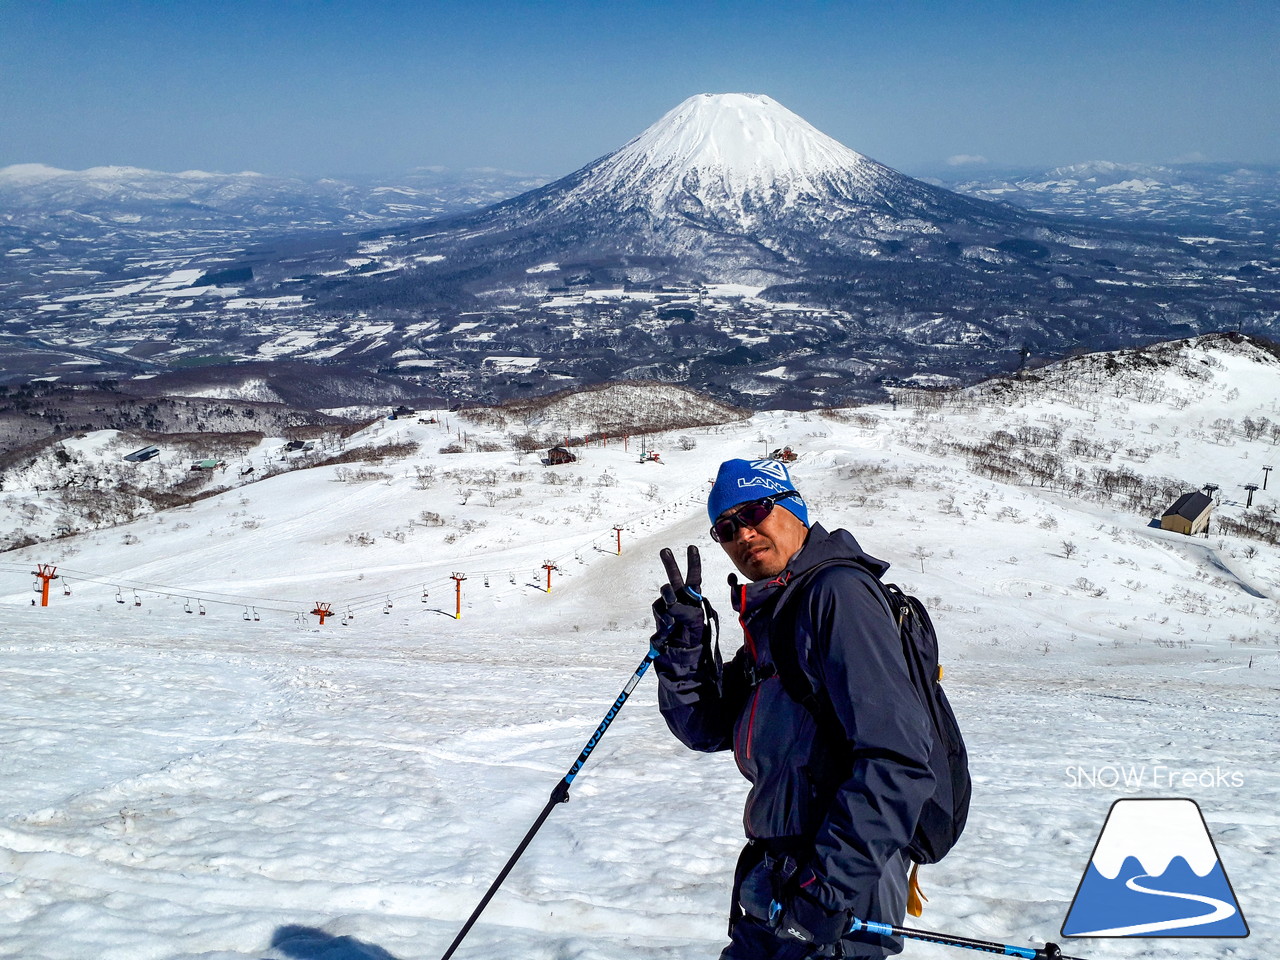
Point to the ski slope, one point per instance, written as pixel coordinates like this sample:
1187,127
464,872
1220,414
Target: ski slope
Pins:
183,785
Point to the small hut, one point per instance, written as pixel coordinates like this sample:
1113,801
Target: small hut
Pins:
1189,514
558,455
143,455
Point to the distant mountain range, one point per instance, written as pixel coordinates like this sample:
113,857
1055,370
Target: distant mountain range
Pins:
1239,197
137,203
730,246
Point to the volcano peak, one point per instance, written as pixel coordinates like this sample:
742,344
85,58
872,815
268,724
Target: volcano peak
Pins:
721,146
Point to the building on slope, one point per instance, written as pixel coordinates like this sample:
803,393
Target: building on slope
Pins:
1189,514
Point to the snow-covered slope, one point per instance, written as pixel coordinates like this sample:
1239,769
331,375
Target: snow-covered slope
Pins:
245,784
617,409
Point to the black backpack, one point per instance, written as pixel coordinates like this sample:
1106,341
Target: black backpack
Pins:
943,817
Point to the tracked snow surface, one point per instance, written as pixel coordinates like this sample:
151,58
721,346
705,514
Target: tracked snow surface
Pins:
238,782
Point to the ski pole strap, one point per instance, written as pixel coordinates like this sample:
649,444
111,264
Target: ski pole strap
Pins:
1051,951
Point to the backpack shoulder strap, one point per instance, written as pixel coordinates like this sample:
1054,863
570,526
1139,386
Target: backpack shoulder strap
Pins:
786,658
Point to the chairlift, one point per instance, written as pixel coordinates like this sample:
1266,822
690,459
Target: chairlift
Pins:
66,588
203,612
186,606
119,596
424,593
255,614
246,616
137,600
486,579
351,614
513,578
386,608
35,585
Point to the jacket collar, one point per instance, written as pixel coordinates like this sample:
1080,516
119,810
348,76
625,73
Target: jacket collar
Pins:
820,547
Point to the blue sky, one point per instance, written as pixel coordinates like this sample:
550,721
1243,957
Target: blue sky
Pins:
335,88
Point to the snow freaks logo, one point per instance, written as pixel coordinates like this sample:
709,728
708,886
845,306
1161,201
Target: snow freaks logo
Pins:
1154,872
1157,777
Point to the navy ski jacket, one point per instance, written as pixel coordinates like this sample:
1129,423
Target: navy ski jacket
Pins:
844,800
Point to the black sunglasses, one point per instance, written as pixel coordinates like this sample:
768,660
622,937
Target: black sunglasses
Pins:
748,515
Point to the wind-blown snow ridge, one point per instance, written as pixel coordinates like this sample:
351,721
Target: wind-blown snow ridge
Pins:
721,147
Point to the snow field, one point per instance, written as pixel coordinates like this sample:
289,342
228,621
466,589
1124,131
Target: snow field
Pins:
179,786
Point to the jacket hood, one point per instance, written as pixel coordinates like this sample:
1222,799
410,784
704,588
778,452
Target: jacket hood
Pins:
820,547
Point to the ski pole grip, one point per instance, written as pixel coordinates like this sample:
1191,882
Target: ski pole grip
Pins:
858,926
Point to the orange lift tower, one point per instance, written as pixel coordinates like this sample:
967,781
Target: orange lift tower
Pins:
322,610
46,573
457,578
549,566
618,531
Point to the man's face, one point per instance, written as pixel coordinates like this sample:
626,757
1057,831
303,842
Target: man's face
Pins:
763,550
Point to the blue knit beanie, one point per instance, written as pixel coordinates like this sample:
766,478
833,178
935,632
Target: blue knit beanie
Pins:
740,481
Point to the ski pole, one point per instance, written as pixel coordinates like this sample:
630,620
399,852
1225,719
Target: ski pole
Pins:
1051,951
561,792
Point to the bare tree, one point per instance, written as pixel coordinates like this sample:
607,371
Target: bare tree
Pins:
426,475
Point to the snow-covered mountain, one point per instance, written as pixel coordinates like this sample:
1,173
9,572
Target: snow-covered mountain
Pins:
734,186
742,159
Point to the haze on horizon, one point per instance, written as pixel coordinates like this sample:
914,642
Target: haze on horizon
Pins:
341,88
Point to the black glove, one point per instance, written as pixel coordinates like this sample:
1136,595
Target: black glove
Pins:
681,611
803,918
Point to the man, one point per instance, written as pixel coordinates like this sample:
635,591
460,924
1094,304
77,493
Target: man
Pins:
839,768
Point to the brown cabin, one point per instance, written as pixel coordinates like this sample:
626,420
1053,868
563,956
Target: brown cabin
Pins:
558,455
1189,514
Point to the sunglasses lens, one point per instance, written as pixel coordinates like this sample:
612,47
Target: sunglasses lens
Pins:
748,515
754,513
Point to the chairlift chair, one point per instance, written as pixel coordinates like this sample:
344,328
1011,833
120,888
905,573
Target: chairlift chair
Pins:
246,616
119,596
203,612
137,600
255,614
186,606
